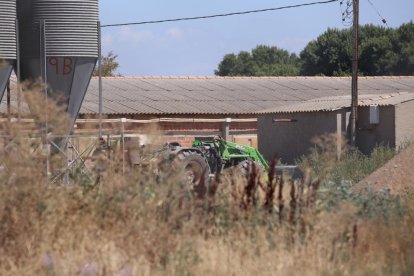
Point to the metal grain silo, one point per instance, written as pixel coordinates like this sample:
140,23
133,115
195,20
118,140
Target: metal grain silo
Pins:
60,44
7,41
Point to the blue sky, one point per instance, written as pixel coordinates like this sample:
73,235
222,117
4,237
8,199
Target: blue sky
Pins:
194,48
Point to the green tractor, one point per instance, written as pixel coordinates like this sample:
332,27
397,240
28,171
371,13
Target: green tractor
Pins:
207,156
221,154
213,155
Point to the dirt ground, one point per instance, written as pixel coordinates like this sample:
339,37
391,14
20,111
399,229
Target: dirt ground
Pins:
397,175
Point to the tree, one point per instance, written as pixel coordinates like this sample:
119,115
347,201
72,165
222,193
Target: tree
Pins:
383,51
404,45
109,65
245,65
377,55
273,61
330,54
227,66
262,61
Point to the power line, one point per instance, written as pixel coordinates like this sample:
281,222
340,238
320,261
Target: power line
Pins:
219,15
379,14
347,12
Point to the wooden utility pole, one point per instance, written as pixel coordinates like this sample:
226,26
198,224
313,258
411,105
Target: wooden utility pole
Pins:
355,54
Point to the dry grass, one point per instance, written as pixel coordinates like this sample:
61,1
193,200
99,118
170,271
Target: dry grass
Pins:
142,223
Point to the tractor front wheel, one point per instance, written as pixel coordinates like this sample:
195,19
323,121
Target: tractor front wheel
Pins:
246,167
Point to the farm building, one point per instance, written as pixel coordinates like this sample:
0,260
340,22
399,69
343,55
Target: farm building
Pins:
382,119
185,107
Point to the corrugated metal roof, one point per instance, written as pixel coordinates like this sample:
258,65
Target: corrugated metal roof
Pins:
223,95
340,102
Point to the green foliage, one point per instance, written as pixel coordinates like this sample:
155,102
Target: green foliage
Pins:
109,65
330,54
404,45
377,56
262,61
351,169
380,204
339,177
383,51
355,166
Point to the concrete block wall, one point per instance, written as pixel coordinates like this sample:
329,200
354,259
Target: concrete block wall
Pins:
404,123
369,136
290,140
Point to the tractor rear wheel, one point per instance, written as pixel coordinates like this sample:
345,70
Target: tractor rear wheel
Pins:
195,171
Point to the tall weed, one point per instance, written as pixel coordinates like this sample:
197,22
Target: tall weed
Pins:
147,221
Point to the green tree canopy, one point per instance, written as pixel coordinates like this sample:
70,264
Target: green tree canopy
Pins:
262,61
383,51
109,65
404,45
330,54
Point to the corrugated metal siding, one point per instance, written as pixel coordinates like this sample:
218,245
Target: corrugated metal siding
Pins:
211,95
71,26
8,29
338,102
226,96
